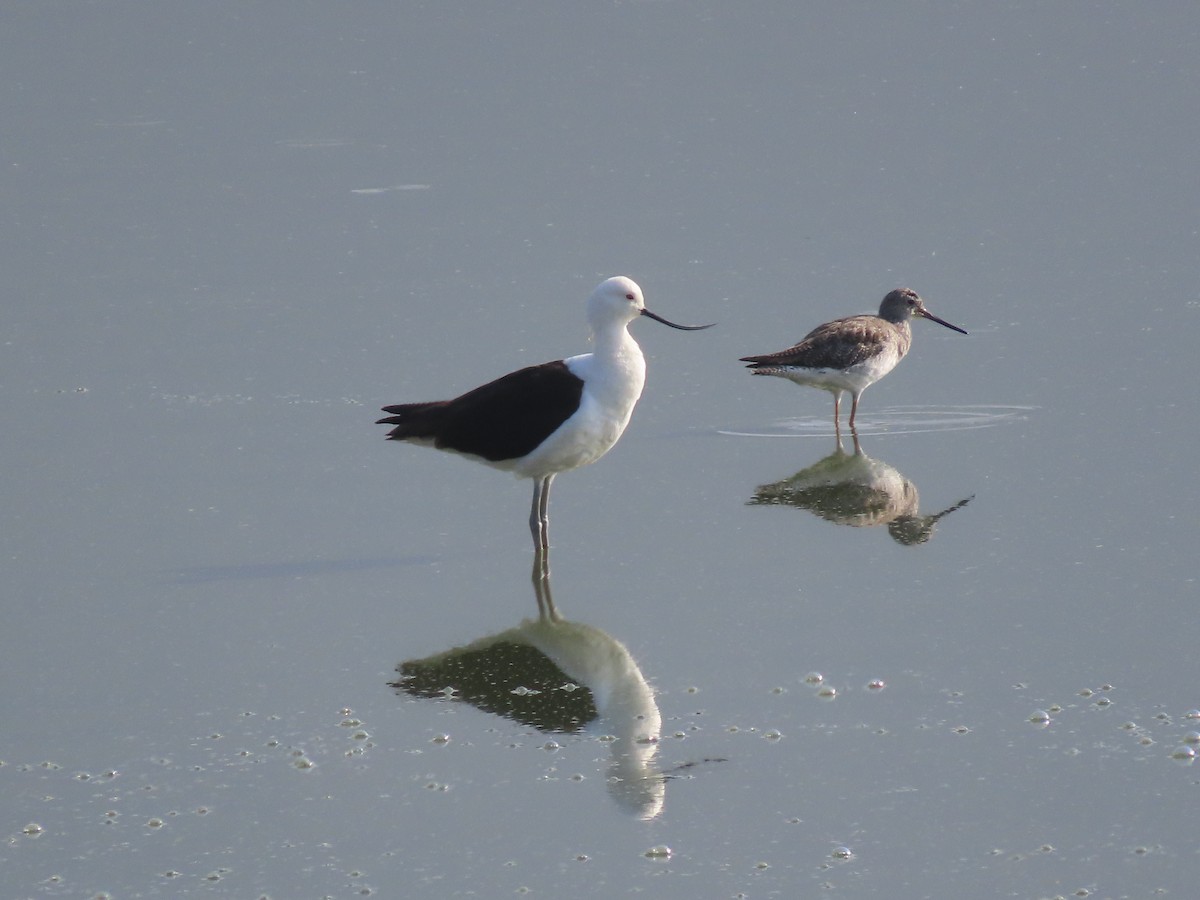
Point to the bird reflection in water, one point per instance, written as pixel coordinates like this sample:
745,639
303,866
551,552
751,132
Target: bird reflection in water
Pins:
855,489
559,677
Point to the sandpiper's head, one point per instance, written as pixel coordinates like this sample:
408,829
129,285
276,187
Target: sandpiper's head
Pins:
619,300
902,304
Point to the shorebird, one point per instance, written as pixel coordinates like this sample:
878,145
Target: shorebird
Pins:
550,418
850,354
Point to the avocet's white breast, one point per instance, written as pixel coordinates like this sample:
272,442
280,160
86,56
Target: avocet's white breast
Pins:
613,376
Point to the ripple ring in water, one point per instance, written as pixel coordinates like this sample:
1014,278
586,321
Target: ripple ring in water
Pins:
914,419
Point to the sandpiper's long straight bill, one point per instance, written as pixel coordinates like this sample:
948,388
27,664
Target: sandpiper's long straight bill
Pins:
926,314
658,318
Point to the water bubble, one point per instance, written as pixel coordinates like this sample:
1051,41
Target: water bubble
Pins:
662,851
1040,717
33,829
842,853
1192,737
827,692
1184,753
876,684
814,678
440,739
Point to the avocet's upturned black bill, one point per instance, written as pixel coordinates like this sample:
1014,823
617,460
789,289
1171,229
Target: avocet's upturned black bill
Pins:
546,419
850,354
657,318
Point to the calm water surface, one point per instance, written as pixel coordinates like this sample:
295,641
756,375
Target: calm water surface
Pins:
252,650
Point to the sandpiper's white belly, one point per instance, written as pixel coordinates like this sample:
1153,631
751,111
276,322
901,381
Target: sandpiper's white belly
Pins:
854,379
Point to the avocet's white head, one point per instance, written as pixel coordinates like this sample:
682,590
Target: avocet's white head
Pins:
618,301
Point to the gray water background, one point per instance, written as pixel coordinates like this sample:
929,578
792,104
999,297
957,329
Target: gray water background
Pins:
231,231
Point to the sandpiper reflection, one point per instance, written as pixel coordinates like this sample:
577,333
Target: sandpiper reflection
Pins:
560,677
855,489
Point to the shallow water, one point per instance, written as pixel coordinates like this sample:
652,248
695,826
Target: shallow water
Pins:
253,650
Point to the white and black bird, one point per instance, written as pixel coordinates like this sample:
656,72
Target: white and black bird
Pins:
850,354
550,418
